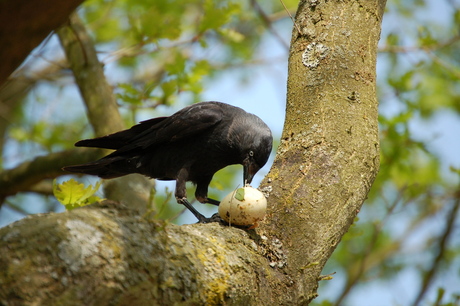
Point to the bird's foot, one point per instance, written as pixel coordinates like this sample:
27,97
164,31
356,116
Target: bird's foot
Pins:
213,218
197,214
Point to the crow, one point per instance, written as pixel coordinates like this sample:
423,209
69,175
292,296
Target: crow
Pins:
190,145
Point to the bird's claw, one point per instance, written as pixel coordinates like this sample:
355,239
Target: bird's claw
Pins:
213,218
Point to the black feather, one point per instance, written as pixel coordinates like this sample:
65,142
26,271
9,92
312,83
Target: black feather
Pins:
119,139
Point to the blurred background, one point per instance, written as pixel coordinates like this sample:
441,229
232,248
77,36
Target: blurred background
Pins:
159,56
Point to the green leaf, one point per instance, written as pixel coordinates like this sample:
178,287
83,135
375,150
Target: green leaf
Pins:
392,39
129,94
73,194
232,35
454,170
169,88
239,195
216,14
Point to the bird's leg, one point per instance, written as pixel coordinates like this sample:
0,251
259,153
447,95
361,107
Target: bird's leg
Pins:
196,213
212,201
201,193
206,200
181,195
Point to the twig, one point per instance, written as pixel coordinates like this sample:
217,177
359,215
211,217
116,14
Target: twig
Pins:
281,15
326,277
28,174
292,18
445,65
364,260
442,246
44,187
268,23
137,50
434,47
16,208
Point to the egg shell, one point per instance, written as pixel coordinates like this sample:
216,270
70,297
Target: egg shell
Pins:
244,210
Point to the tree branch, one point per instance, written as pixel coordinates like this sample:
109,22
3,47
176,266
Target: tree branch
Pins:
371,257
97,94
107,255
407,49
23,26
27,174
101,107
15,89
266,20
442,247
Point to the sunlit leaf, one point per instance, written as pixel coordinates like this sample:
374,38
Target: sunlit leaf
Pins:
239,194
73,194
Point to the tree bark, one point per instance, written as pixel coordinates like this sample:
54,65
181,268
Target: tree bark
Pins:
89,75
108,255
24,176
328,157
101,107
23,26
324,168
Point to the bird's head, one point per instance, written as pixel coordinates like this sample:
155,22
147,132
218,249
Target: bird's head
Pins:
257,145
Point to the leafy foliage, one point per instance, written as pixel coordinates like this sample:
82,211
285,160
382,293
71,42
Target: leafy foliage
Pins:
73,194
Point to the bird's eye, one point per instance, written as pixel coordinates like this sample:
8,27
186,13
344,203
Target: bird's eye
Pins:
251,153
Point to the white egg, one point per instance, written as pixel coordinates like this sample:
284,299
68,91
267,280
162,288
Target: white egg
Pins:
244,206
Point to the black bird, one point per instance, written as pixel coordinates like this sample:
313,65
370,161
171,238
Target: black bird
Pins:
191,145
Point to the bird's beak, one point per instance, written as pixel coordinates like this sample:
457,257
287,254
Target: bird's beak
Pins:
249,170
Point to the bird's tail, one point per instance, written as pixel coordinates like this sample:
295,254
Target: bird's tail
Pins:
106,168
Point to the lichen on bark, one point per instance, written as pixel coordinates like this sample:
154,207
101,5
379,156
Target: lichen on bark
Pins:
329,152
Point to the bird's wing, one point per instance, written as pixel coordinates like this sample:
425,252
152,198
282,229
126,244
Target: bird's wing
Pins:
122,138
186,123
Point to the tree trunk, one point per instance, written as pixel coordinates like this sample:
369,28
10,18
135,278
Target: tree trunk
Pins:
324,168
329,152
23,26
